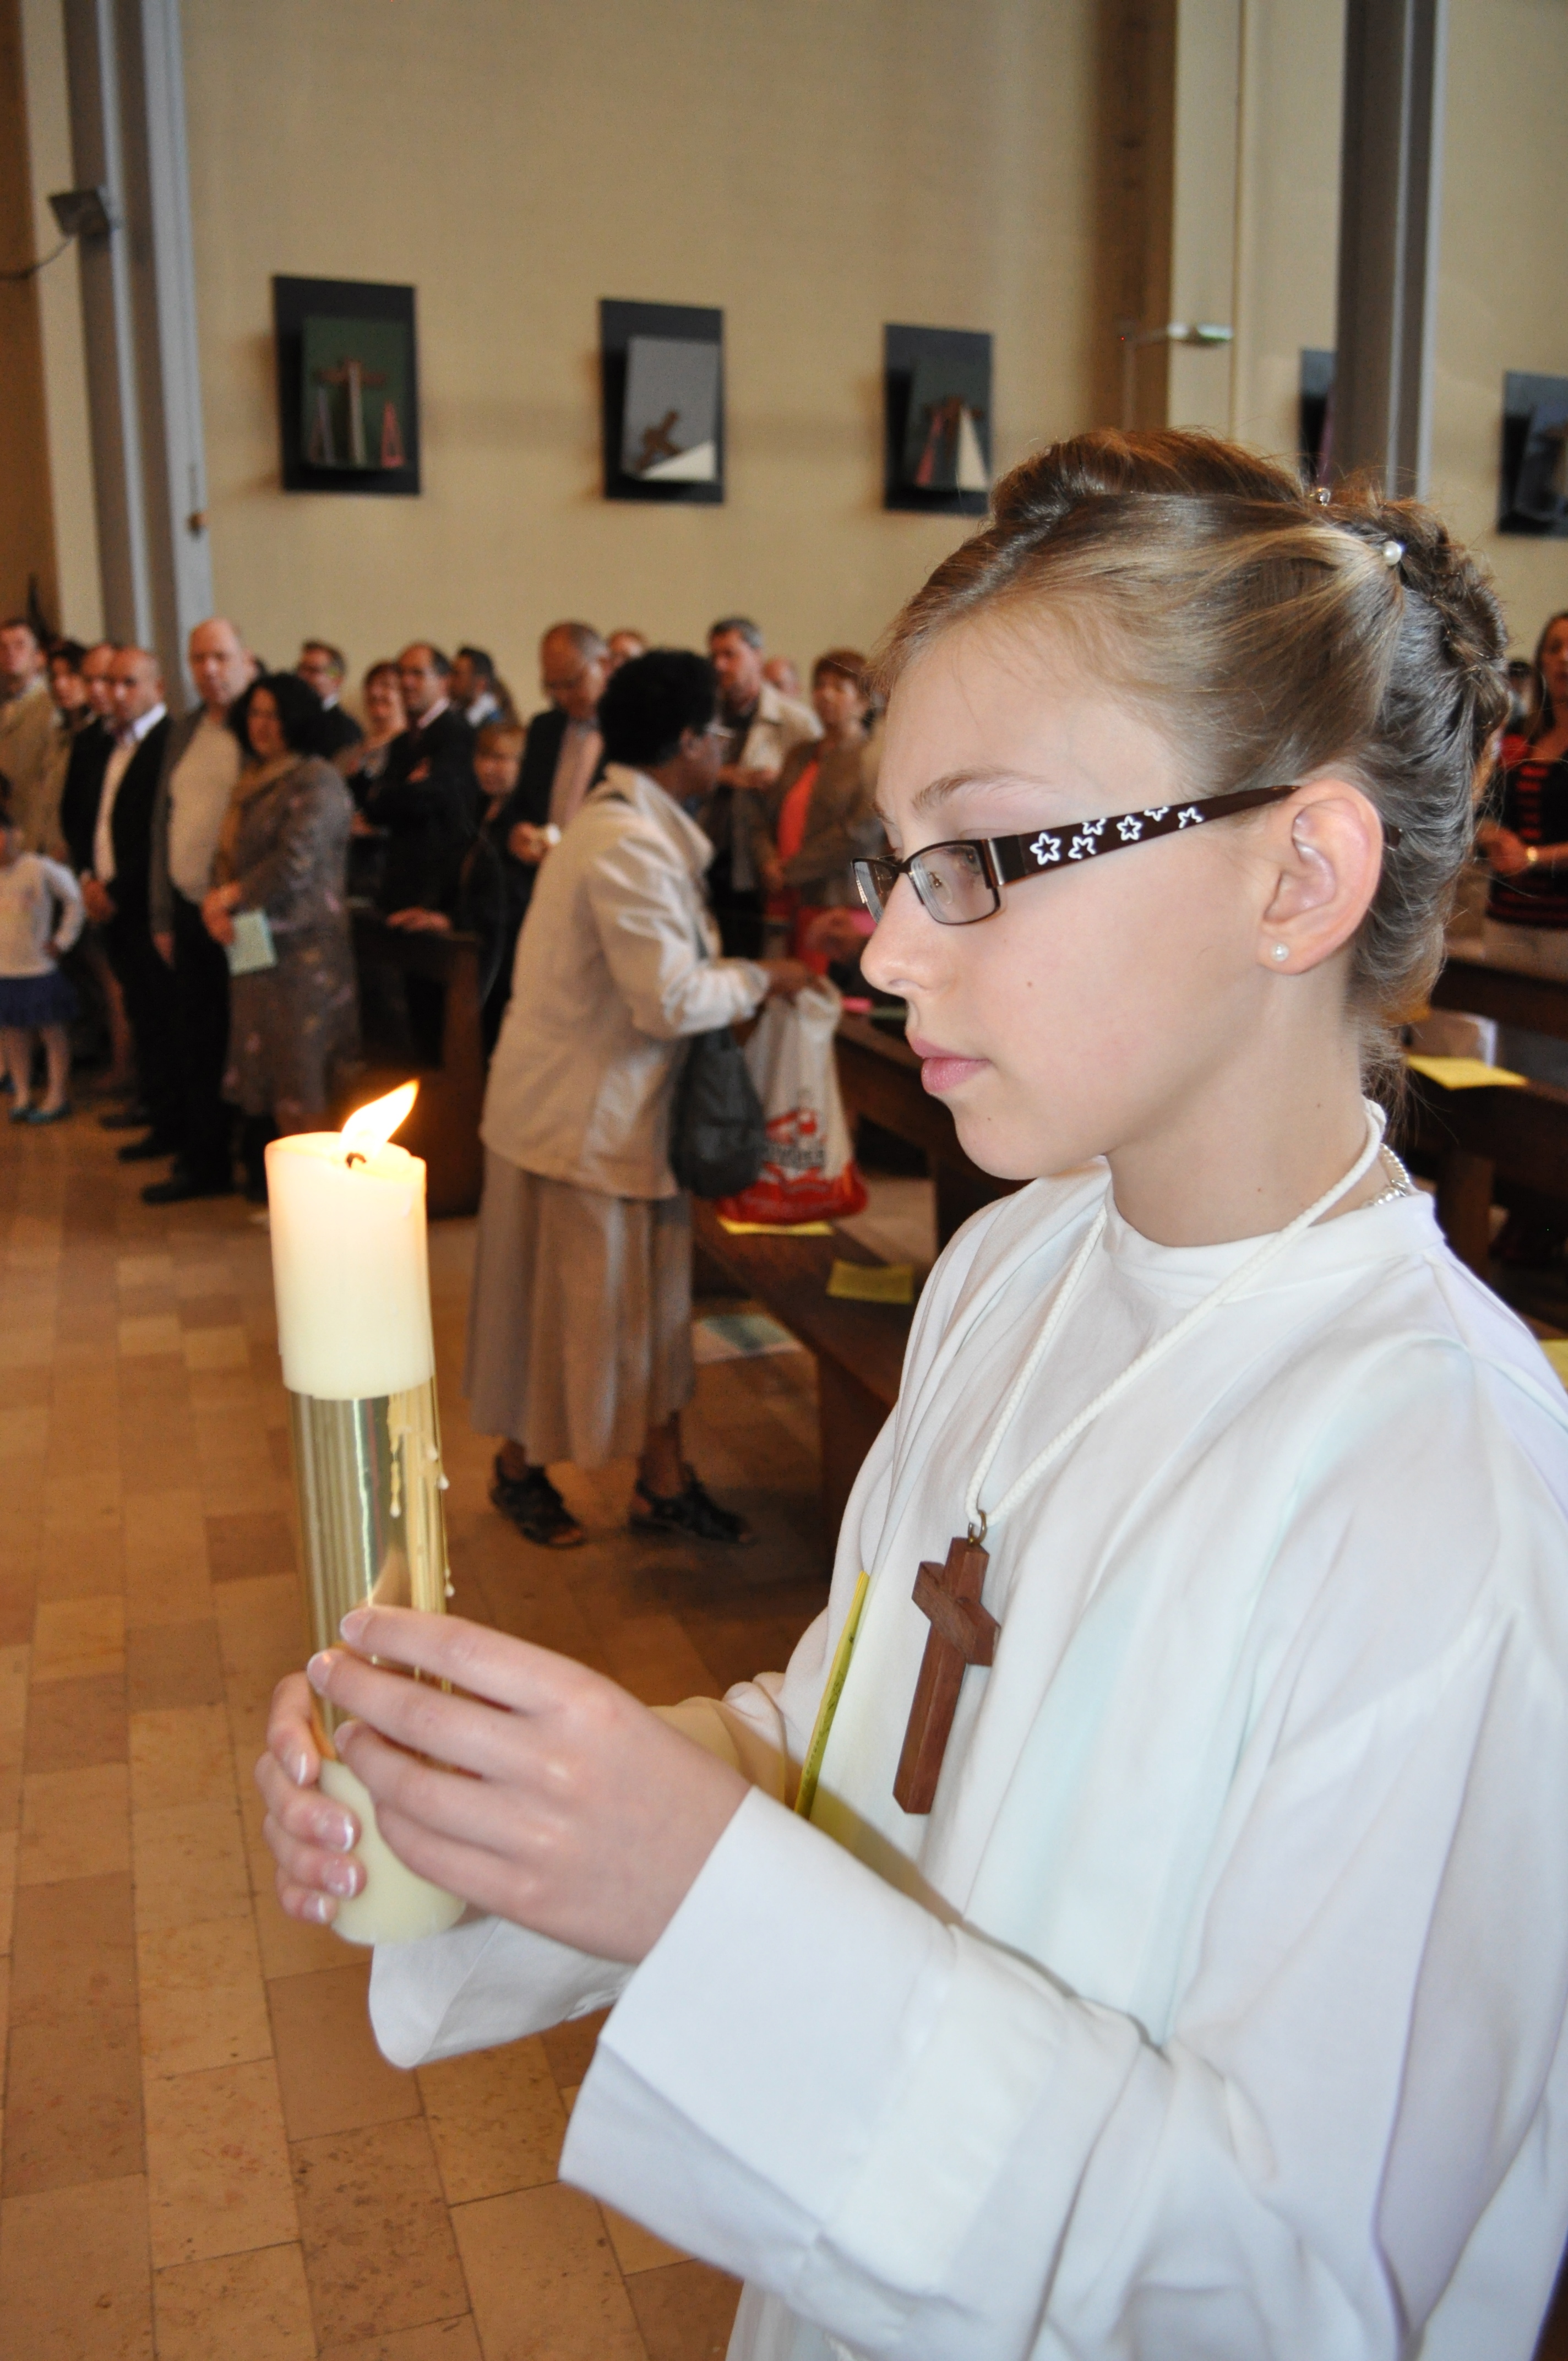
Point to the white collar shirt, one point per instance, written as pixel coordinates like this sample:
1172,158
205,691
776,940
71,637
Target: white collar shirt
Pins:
126,741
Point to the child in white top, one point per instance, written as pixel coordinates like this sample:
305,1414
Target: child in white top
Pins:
40,917
1196,1991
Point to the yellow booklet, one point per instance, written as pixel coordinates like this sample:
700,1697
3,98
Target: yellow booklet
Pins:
1466,1074
872,1282
1556,1351
811,1769
776,1229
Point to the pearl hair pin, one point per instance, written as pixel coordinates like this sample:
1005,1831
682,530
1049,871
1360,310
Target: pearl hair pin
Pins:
1392,552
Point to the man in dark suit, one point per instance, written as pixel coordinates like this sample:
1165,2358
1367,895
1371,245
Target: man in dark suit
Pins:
115,892
324,668
562,757
90,752
427,802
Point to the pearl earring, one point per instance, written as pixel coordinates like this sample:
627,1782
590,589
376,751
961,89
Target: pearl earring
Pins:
1281,951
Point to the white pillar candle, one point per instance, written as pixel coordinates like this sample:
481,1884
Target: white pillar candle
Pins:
350,1265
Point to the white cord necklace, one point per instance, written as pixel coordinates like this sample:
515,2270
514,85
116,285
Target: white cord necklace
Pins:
962,1632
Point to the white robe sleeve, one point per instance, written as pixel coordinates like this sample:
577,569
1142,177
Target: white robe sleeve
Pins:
926,2145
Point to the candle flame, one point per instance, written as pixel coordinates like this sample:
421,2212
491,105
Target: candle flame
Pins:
372,1126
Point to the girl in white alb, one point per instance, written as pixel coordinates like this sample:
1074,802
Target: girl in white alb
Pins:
1172,1960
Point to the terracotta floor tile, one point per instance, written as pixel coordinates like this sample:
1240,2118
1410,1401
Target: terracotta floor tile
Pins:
24,1433
543,2280
173,1664
439,2339
570,2048
379,2253
147,1334
26,1348
180,1754
203,1278
217,2164
76,1637
132,1270
238,1546
73,1950
261,1631
13,1701
74,2282
496,2119
216,1309
10,1840
686,2312
203,2002
73,2101
188,1862
637,2249
249,2307
290,1948
216,1348
332,2077
74,1824
75,1724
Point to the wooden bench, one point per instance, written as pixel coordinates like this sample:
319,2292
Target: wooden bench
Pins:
1487,1146
444,1125
1488,987
858,1348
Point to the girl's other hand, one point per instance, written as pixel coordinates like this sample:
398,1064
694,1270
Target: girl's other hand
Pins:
309,1835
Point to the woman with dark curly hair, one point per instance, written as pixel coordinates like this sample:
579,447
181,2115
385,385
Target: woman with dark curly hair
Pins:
278,906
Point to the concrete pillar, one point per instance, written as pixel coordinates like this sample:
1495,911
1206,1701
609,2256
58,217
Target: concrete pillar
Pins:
127,118
1391,179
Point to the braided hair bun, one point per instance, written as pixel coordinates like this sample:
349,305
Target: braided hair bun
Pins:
1274,633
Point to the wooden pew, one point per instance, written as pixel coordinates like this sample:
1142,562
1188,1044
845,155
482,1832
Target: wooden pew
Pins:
859,1347
1484,1146
1488,987
444,1125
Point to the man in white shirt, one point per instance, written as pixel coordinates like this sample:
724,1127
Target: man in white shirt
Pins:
116,891
27,745
201,764
762,726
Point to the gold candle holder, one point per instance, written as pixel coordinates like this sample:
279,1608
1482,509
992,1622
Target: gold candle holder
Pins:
368,1481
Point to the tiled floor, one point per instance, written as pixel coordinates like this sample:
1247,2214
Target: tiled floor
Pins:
202,2152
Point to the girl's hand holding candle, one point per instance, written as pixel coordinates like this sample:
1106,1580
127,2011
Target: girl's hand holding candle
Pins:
584,1816
353,1289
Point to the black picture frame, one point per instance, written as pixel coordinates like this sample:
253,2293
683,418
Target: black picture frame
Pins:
1314,414
1531,498
690,324
906,350
294,300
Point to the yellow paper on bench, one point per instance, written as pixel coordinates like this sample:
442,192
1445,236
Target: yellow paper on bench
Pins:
1556,1351
1466,1074
872,1282
776,1229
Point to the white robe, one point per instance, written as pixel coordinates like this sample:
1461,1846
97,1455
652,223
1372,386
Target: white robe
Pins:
1218,2008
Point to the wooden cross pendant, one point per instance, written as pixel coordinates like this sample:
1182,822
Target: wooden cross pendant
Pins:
961,1633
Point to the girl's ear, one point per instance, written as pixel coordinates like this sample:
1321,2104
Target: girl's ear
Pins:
1326,854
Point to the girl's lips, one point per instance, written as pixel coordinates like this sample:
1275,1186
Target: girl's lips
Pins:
942,1069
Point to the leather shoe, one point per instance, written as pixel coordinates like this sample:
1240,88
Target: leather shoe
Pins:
150,1150
131,1118
181,1187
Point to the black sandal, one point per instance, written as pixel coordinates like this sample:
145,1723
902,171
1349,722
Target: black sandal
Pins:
691,1511
536,1509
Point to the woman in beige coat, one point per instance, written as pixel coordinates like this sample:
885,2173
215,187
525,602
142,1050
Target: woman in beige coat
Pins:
579,1324
819,814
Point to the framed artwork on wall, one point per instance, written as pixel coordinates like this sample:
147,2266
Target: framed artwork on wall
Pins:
348,385
662,374
1532,495
1314,410
937,419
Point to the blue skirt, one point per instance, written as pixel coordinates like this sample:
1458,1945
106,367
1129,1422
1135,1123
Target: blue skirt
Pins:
28,1002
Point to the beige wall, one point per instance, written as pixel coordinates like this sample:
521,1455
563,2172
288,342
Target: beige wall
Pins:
27,525
815,167
1503,300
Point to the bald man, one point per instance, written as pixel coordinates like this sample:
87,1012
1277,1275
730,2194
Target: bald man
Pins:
115,890
201,764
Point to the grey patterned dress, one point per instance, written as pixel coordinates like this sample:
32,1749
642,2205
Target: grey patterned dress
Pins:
292,1028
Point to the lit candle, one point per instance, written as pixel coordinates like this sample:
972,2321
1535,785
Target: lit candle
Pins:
351,1277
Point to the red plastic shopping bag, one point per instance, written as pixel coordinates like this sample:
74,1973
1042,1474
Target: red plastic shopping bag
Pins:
808,1172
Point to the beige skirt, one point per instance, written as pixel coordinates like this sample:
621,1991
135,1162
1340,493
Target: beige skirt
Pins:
579,1323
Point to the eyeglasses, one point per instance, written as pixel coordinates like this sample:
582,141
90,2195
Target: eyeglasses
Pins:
960,883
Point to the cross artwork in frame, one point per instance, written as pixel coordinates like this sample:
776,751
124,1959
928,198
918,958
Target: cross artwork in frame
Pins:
937,419
348,385
1532,496
662,373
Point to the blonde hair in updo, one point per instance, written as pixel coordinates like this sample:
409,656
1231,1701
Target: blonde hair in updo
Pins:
1272,634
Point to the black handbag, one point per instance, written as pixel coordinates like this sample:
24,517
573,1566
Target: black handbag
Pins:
719,1135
